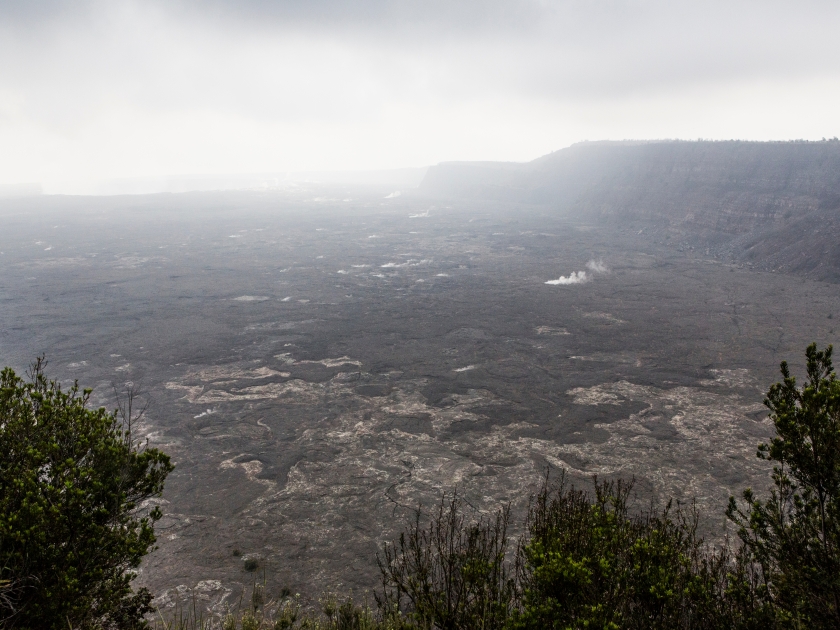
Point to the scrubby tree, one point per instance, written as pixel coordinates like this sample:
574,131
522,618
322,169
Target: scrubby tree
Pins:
589,561
794,535
449,573
73,523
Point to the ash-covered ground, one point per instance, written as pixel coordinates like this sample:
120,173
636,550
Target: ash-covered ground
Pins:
320,362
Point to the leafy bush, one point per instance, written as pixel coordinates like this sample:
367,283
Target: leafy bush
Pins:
794,536
72,481
587,561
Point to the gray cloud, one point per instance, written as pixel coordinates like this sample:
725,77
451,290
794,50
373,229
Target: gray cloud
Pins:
128,88
453,15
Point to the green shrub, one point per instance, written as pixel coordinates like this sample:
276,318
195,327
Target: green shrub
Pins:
589,561
72,485
794,535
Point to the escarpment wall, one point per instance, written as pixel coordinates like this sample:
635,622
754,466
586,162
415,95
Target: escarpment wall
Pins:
769,203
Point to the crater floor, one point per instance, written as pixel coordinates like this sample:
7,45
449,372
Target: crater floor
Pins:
320,363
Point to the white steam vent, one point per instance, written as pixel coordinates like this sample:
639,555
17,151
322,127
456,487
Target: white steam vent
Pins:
579,277
576,277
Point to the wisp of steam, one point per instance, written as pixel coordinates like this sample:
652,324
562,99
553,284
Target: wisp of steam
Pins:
597,266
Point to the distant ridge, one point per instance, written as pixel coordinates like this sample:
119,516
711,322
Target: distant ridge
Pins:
775,205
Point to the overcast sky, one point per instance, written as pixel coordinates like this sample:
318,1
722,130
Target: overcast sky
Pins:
119,89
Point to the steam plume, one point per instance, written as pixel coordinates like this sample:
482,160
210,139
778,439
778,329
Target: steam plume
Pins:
579,277
576,277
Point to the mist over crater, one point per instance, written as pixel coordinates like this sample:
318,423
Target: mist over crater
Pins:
314,385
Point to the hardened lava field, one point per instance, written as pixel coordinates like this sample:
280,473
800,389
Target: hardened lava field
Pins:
320,363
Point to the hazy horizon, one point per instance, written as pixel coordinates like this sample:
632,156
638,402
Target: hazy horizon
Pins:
144,90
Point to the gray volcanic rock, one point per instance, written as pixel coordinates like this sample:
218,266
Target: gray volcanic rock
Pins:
321,361
771,204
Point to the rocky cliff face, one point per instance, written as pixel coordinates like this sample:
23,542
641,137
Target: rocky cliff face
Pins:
770,204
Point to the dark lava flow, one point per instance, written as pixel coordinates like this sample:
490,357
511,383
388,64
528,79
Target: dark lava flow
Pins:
319,366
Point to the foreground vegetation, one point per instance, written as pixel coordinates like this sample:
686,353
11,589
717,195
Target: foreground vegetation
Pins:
586,558
73,525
